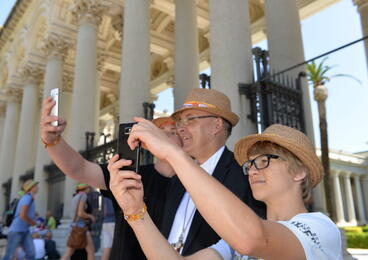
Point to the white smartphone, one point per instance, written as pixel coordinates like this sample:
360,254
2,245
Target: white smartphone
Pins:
55,110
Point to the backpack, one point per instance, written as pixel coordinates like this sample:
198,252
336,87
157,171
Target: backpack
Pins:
10,213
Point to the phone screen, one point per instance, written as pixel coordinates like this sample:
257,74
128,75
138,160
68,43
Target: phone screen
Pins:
55,109
124,150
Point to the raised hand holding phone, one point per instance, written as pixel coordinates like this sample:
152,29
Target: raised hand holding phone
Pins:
55,110
124,150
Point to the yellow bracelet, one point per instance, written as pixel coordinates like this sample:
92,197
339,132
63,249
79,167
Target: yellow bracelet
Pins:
51,144
138,216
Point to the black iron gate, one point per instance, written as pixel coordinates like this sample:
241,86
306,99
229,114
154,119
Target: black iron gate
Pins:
274,99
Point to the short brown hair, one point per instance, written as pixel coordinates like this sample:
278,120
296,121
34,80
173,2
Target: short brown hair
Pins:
294,163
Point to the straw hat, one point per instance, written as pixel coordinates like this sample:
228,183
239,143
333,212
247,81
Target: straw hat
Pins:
211,101
162,121
28,185
289,138
81,186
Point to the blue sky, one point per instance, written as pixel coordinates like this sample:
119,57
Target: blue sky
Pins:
347,104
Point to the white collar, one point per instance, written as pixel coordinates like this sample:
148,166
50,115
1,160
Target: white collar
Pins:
210,165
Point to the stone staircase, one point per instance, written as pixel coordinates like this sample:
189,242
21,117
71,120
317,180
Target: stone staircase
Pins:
61,234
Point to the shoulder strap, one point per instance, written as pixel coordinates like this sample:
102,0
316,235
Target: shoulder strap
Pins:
29,205
76,211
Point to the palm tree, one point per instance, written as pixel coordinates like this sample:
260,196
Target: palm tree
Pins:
317,75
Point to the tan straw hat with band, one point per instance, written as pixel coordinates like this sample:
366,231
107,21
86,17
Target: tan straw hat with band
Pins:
209,100
162,121
81,186
28,185
289,138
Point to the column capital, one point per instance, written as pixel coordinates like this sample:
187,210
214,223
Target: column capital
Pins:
361,3
68,82
12,95
89,11
2,109
31,74
346,175
55,46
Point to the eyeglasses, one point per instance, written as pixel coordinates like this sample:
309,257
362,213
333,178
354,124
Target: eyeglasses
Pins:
260,162
188,120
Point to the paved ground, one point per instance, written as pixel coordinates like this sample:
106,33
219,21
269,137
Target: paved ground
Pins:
359,254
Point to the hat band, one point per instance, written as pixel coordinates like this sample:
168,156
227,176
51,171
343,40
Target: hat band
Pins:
167,123
197,104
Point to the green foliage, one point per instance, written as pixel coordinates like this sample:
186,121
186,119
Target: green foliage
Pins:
353,229
357,240
318,74
357,237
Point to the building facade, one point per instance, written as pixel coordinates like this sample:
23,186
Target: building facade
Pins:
108,57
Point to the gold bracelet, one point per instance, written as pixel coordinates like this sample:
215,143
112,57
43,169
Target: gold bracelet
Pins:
138,216
51,144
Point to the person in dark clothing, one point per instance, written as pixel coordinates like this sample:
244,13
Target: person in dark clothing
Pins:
50,247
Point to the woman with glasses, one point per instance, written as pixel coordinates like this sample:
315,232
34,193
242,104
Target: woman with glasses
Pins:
282,169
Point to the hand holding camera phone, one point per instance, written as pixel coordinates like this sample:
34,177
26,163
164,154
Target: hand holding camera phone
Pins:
124,150
55,109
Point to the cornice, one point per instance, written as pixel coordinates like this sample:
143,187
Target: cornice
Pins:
12,21
361,3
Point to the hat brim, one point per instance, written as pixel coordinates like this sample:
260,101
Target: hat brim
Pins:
231,117
310,160
31,186
162,121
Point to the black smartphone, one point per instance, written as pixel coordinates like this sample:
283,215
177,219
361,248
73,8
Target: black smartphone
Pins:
124,150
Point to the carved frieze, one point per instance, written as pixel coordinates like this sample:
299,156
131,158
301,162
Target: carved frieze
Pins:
101,59
117,24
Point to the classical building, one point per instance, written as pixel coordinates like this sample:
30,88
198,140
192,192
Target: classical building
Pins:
108,57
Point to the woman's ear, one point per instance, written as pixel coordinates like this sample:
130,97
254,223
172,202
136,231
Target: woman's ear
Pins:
300,175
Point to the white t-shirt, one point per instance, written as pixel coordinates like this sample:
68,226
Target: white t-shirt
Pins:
318,235
39,245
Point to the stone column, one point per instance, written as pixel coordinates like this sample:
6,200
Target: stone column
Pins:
340,219
365,192
83,113
55,49
135,72
363,11
186,50
9,139
285,46
231,58
349,200
359,196
2,121
101,58
32,76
